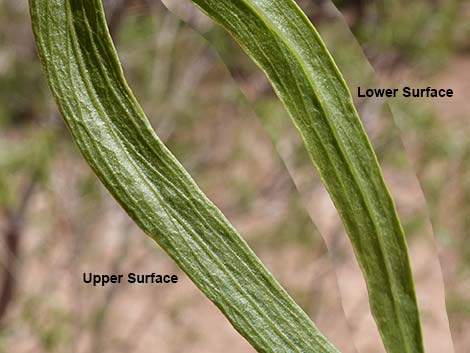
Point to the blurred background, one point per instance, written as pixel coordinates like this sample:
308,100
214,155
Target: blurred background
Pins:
219,116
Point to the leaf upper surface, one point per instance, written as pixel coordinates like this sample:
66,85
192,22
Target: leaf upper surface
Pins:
119,144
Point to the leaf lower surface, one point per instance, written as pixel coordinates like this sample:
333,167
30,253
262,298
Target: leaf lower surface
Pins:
284,44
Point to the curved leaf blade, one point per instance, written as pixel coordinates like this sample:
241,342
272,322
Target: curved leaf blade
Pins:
284,44
119,144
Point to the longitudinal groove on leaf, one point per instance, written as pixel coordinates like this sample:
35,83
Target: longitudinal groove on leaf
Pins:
284,44
118,142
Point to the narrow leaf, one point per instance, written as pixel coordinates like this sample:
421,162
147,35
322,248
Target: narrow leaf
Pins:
118,142
285,45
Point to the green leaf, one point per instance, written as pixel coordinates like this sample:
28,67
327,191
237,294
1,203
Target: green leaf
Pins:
285,45
118,142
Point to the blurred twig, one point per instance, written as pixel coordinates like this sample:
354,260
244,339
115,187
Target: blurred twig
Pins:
117,15
12,236
110,295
